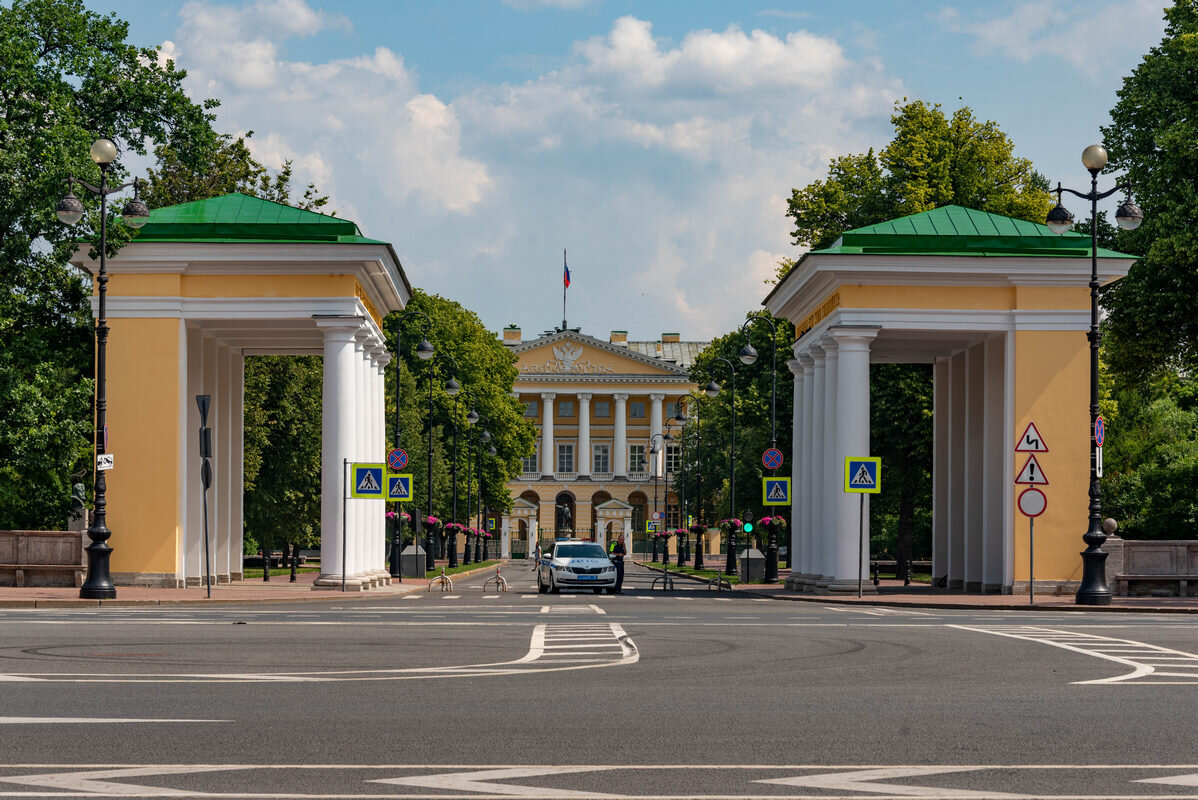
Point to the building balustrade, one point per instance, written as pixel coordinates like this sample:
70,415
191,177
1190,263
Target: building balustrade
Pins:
530,476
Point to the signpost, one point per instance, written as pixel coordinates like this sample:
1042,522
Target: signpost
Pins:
862,475
104,461
1032,501
1099,438
772,458
775,491
399,487
396,459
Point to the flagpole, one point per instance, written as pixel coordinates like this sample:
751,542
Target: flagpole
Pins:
564,268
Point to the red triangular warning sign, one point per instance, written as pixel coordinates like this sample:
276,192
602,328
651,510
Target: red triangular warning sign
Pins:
1031,472
1031,441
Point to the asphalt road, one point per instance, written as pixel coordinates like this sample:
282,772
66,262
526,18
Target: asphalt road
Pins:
677,694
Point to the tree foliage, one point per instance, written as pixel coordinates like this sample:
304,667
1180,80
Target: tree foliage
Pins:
1153,136
68,77
932,161
486,372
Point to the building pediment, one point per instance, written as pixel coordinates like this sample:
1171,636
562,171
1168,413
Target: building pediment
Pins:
569,353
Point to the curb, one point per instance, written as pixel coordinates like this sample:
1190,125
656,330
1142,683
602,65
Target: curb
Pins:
312,596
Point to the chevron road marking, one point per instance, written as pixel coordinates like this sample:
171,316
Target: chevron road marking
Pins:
1150,664
606,645
460,781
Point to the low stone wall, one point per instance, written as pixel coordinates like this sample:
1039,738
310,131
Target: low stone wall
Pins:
42,558
1167,568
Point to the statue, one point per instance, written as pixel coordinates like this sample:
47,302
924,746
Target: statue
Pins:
78,516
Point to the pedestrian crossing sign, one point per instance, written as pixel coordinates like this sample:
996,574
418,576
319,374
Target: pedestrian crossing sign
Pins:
652,525
367,482
399,487
775,491
863,475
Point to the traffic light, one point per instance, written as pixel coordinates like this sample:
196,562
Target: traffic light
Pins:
748,527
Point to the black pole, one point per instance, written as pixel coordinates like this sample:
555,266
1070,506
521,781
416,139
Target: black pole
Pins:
1094,590
730,561
452,539
429,562
98,585
397,522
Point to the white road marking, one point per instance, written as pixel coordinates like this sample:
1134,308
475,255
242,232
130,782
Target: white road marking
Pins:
481,781
1173,780
90,720
92,781
609,646
867,780
1149,663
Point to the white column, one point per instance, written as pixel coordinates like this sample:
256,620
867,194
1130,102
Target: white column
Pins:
378,447
815,514
505,542
852,435
796,470
994,478
832,467
620,457
810,477
216,421
548,452
237,423
359,514
975,426
658,466
337,441
222,556
941,399
582,460
956,474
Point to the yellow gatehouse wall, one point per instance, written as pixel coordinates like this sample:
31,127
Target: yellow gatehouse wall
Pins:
1052,388
144,393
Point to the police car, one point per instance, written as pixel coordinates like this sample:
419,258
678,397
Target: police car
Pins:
575,564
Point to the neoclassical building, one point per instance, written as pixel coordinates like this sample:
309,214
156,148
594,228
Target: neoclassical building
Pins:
598,405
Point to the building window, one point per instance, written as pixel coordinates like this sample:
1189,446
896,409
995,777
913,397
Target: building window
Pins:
602,408
673,458
530,408
565,458
531,463
672,516
636,409
636,457
565,408
671,409
602,458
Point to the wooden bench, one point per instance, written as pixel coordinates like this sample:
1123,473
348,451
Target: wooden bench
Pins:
1157,568
41,558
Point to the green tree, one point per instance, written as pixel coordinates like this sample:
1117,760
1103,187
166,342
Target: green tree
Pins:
68,77
753,387
1152,136
485,370
932,161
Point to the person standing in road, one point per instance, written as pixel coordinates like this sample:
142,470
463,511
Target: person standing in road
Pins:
536,557
617,556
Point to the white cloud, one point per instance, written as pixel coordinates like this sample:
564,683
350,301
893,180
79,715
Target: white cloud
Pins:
1083,35
351,125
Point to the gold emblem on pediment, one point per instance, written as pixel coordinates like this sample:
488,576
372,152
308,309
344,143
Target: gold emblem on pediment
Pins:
567,359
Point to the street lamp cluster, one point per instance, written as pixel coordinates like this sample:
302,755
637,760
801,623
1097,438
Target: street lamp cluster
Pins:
426,352
1094,589
135,214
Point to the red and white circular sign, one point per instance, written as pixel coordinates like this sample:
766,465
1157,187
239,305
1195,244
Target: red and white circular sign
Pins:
1032,502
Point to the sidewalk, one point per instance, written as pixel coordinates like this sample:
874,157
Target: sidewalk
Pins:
892,593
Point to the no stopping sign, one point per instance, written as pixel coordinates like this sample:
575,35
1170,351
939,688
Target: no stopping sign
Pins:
1032,502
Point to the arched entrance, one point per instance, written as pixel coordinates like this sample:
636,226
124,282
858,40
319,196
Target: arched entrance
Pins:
564,514
640,513
597,499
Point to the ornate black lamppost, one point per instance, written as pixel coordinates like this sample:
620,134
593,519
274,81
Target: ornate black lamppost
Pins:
713,390
424,351
748,355
656,445
471,419
681,417
1094,590
98,585
482,555
452,387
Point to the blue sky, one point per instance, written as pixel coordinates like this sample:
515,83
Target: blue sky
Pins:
658,141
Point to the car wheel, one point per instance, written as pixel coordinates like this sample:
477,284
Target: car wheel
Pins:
542,588
554,588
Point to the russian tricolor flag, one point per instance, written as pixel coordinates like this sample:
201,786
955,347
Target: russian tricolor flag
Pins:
565,272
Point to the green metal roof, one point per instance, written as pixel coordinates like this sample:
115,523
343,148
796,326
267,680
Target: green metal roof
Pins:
241,218
958,231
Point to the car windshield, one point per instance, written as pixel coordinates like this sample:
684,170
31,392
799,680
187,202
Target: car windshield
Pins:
579,551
